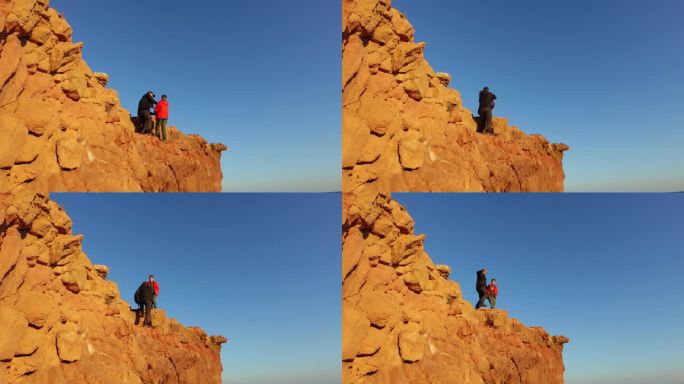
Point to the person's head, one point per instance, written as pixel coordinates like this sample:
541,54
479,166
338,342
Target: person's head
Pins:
163,97
484,271
151,277
486,89
493,281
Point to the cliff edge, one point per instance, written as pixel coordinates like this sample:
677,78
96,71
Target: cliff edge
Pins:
63,130
405,130
404,321
62,321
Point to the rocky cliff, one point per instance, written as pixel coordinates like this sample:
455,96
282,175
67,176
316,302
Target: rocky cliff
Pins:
63,130
62,321
404,321
405,130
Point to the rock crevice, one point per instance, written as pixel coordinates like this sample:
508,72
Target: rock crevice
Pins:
64,131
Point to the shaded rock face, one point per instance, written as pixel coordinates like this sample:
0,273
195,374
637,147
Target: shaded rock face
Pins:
63,130
404,130
61,321
405,322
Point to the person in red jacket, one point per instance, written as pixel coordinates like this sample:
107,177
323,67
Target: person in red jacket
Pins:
161,111
492,293
155,287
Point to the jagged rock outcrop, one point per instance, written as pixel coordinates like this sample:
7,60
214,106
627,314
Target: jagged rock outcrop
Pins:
62,321
403,321
404,130
63,130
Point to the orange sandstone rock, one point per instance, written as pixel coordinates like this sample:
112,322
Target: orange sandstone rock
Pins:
62,322
63,130
404,130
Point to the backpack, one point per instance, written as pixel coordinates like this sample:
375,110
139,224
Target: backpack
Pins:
138,292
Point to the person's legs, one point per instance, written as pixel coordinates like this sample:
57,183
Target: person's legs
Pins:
481,302
480,120
492,301
154,301
157,128
145,121
488,128
163,127
148,314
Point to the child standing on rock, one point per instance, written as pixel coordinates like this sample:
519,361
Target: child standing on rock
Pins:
492,293
162,113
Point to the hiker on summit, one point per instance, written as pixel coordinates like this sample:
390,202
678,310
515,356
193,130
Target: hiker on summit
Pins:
485,111
481,287
144,297
146,102
161,111
492,293
155,287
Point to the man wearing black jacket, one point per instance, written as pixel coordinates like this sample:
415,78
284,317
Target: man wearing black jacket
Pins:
481,287
485,111
146,102
144,297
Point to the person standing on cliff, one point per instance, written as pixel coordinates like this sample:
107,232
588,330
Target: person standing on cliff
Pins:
481,287
161,111
144,297
492,293
146,102
155,288
485,111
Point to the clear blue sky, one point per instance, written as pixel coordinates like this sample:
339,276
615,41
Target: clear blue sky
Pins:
261,269
262,77
602,269
603,76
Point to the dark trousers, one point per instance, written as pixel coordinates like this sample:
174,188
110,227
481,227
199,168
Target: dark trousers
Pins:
145,121
485,121
146,310
483,297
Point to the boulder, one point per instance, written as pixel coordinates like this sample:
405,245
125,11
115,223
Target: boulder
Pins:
69,345
12,328
70,152
14,136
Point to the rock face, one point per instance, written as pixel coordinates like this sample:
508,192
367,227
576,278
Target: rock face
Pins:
406,131
62,322
63,130
405,322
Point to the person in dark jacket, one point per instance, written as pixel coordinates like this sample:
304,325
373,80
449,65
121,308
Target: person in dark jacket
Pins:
146,102
485,111
144,297
481,287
